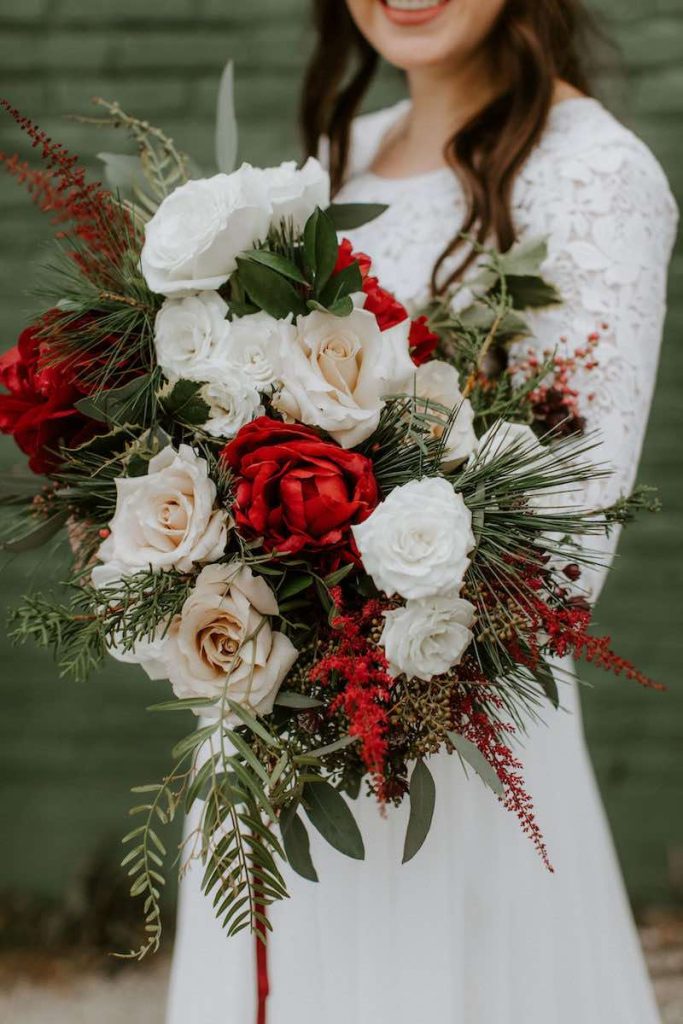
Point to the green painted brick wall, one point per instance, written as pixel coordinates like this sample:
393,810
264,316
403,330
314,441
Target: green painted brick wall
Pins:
69,753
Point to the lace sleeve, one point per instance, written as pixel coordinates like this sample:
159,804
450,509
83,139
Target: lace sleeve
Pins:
610,221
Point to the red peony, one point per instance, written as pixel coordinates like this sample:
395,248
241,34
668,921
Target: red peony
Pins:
386,307
297,491
39,408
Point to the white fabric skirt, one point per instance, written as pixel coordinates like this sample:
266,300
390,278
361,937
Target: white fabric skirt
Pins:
474,930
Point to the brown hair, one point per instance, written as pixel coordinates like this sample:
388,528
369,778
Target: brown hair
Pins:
534,42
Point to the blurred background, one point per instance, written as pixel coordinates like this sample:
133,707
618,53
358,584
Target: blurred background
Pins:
69,753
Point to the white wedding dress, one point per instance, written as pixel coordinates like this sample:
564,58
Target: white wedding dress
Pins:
474,930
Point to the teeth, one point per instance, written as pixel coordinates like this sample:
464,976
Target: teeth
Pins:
413,5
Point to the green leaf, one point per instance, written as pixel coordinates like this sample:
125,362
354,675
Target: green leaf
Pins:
321,248
336,577
269,290
524,259
297,844
346,216
187,703
276,262
299,701
184,404
252,723
422,800
127,404
226,123
294,585
36,534
342,307
195,739
330,748
531,292
476,760
547,680
346,282
329,813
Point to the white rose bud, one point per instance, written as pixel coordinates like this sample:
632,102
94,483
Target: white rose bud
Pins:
233,402
427,638
190,336
164,520
194,238
222,641
337,371
256,344
294,194
416,542
438,382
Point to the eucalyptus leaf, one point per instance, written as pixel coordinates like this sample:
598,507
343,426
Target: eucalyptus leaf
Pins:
123,172
422,800
346,216
227,134
476,760
297,844
329,813
294,585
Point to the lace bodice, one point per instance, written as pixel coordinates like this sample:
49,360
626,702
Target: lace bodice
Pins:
598,195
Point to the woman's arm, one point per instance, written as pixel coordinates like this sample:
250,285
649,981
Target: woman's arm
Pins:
610,222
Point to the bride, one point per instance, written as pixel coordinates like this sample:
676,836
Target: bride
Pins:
501,139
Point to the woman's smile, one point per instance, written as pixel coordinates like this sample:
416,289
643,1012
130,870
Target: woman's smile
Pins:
413,12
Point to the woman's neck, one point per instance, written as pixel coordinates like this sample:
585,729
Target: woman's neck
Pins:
442,100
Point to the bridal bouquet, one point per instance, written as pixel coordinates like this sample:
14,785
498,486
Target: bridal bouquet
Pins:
327,528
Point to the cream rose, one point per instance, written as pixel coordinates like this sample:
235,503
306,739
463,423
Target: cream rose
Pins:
190,336
233,402
198,231
337,371
164,520
416,542
256,344
223,642
427,638
438,382
295,193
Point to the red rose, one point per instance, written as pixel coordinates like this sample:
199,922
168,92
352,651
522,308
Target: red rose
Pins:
39,408
387,309
422,341
300,493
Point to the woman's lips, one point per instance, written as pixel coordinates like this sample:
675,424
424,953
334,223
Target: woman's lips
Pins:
412,12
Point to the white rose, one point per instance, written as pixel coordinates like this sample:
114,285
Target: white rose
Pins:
256,343
438,382
164,520
337,370
416,542
505,437
427,638
194,238
222,641
233,402
190,336
294,194
519,439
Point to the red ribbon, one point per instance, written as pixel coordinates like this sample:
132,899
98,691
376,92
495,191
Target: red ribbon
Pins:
262,985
